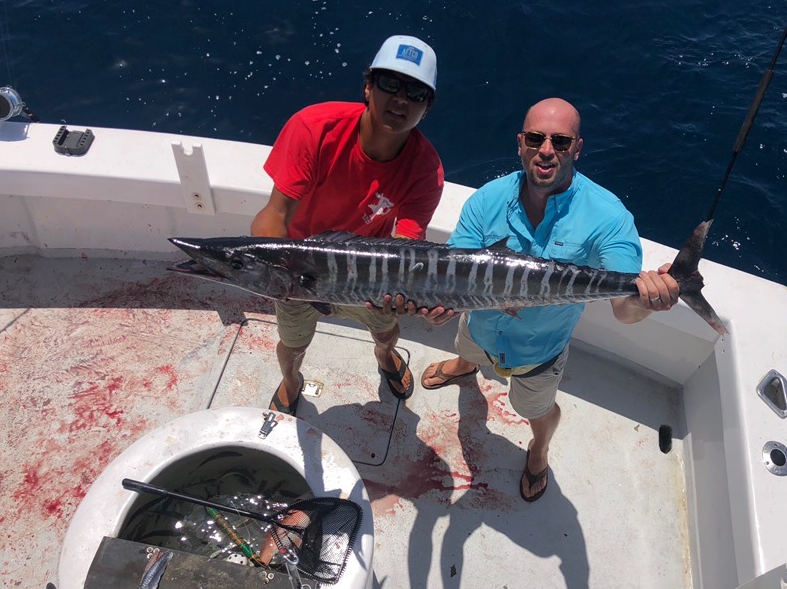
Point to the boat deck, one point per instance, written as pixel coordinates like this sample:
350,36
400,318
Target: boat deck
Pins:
96,352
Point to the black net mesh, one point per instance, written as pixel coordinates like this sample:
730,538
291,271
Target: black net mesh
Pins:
321,532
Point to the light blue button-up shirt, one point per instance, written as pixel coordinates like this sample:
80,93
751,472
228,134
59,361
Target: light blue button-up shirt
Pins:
586,225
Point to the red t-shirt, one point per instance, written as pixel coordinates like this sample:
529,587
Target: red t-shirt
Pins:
317,159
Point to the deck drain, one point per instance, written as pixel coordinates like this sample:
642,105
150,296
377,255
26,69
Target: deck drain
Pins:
774,455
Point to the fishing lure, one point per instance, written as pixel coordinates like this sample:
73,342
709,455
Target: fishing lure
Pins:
226,526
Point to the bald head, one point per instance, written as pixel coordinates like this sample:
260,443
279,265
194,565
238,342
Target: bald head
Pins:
549,145
558,111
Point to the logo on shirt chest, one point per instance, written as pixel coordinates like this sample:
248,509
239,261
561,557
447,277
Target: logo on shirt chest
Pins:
378,209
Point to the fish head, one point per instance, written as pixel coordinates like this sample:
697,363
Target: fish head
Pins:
254,264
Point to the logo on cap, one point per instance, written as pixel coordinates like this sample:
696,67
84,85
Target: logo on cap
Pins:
410,53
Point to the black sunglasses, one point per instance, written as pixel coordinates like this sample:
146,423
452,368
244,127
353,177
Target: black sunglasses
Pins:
414,91
534,140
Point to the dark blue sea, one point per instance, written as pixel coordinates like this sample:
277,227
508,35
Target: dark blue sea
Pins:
663,88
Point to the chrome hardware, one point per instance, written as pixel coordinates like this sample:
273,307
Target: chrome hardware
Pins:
11,104
773,390
774,455
267,425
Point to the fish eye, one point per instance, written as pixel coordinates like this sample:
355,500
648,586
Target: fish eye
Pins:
236,263
306,280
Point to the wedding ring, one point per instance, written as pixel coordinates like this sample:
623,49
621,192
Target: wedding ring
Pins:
654,300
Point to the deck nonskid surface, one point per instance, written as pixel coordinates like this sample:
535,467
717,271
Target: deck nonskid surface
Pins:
94,353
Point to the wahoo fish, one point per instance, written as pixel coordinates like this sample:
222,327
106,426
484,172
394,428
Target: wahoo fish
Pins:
347,269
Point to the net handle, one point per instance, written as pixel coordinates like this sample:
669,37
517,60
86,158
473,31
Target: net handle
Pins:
140,487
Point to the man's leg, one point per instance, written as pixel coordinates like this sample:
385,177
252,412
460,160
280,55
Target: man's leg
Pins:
290,361
384,343
384,330
543,430
297,323
532,396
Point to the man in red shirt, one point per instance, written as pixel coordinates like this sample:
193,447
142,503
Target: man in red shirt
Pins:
362,168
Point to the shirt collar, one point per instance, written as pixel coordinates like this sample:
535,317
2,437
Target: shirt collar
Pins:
562,199
559,200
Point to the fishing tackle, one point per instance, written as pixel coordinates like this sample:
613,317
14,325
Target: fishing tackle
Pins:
233,535
747,122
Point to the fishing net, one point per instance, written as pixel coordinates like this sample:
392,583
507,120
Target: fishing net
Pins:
320,531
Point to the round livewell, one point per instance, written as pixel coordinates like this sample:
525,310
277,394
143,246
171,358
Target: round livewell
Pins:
292,455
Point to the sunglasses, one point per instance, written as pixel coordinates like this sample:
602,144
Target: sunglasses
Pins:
414,91
534,140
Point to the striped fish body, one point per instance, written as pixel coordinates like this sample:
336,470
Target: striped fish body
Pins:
346,269
361,269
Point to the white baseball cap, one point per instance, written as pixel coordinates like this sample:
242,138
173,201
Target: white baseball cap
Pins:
409,56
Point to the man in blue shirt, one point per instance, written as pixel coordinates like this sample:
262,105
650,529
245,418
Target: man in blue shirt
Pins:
548,210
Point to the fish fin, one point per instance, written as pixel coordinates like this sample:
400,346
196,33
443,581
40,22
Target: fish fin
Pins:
685,271
347,237
701,307
498,247
334,236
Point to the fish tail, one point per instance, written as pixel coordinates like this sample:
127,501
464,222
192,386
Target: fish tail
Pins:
685,271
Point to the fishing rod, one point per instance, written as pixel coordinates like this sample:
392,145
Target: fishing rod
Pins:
747,123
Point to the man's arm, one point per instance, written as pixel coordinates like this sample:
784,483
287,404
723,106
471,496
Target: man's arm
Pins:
274,219
658,291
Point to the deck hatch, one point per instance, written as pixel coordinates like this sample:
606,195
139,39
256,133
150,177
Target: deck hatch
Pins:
773,390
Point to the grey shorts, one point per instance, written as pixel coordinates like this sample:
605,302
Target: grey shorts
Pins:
297,321
532,394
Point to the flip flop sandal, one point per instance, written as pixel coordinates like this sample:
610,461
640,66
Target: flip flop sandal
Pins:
438,373
292,407
532,479
398,377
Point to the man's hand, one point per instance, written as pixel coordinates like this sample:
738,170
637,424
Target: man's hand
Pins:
396,305
658,291
439,316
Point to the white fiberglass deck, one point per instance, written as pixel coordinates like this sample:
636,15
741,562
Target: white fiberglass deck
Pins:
96,352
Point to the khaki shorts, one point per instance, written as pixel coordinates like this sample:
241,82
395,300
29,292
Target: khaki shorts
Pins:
533,393
297,321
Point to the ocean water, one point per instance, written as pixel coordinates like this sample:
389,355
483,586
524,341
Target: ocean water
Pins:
663,88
